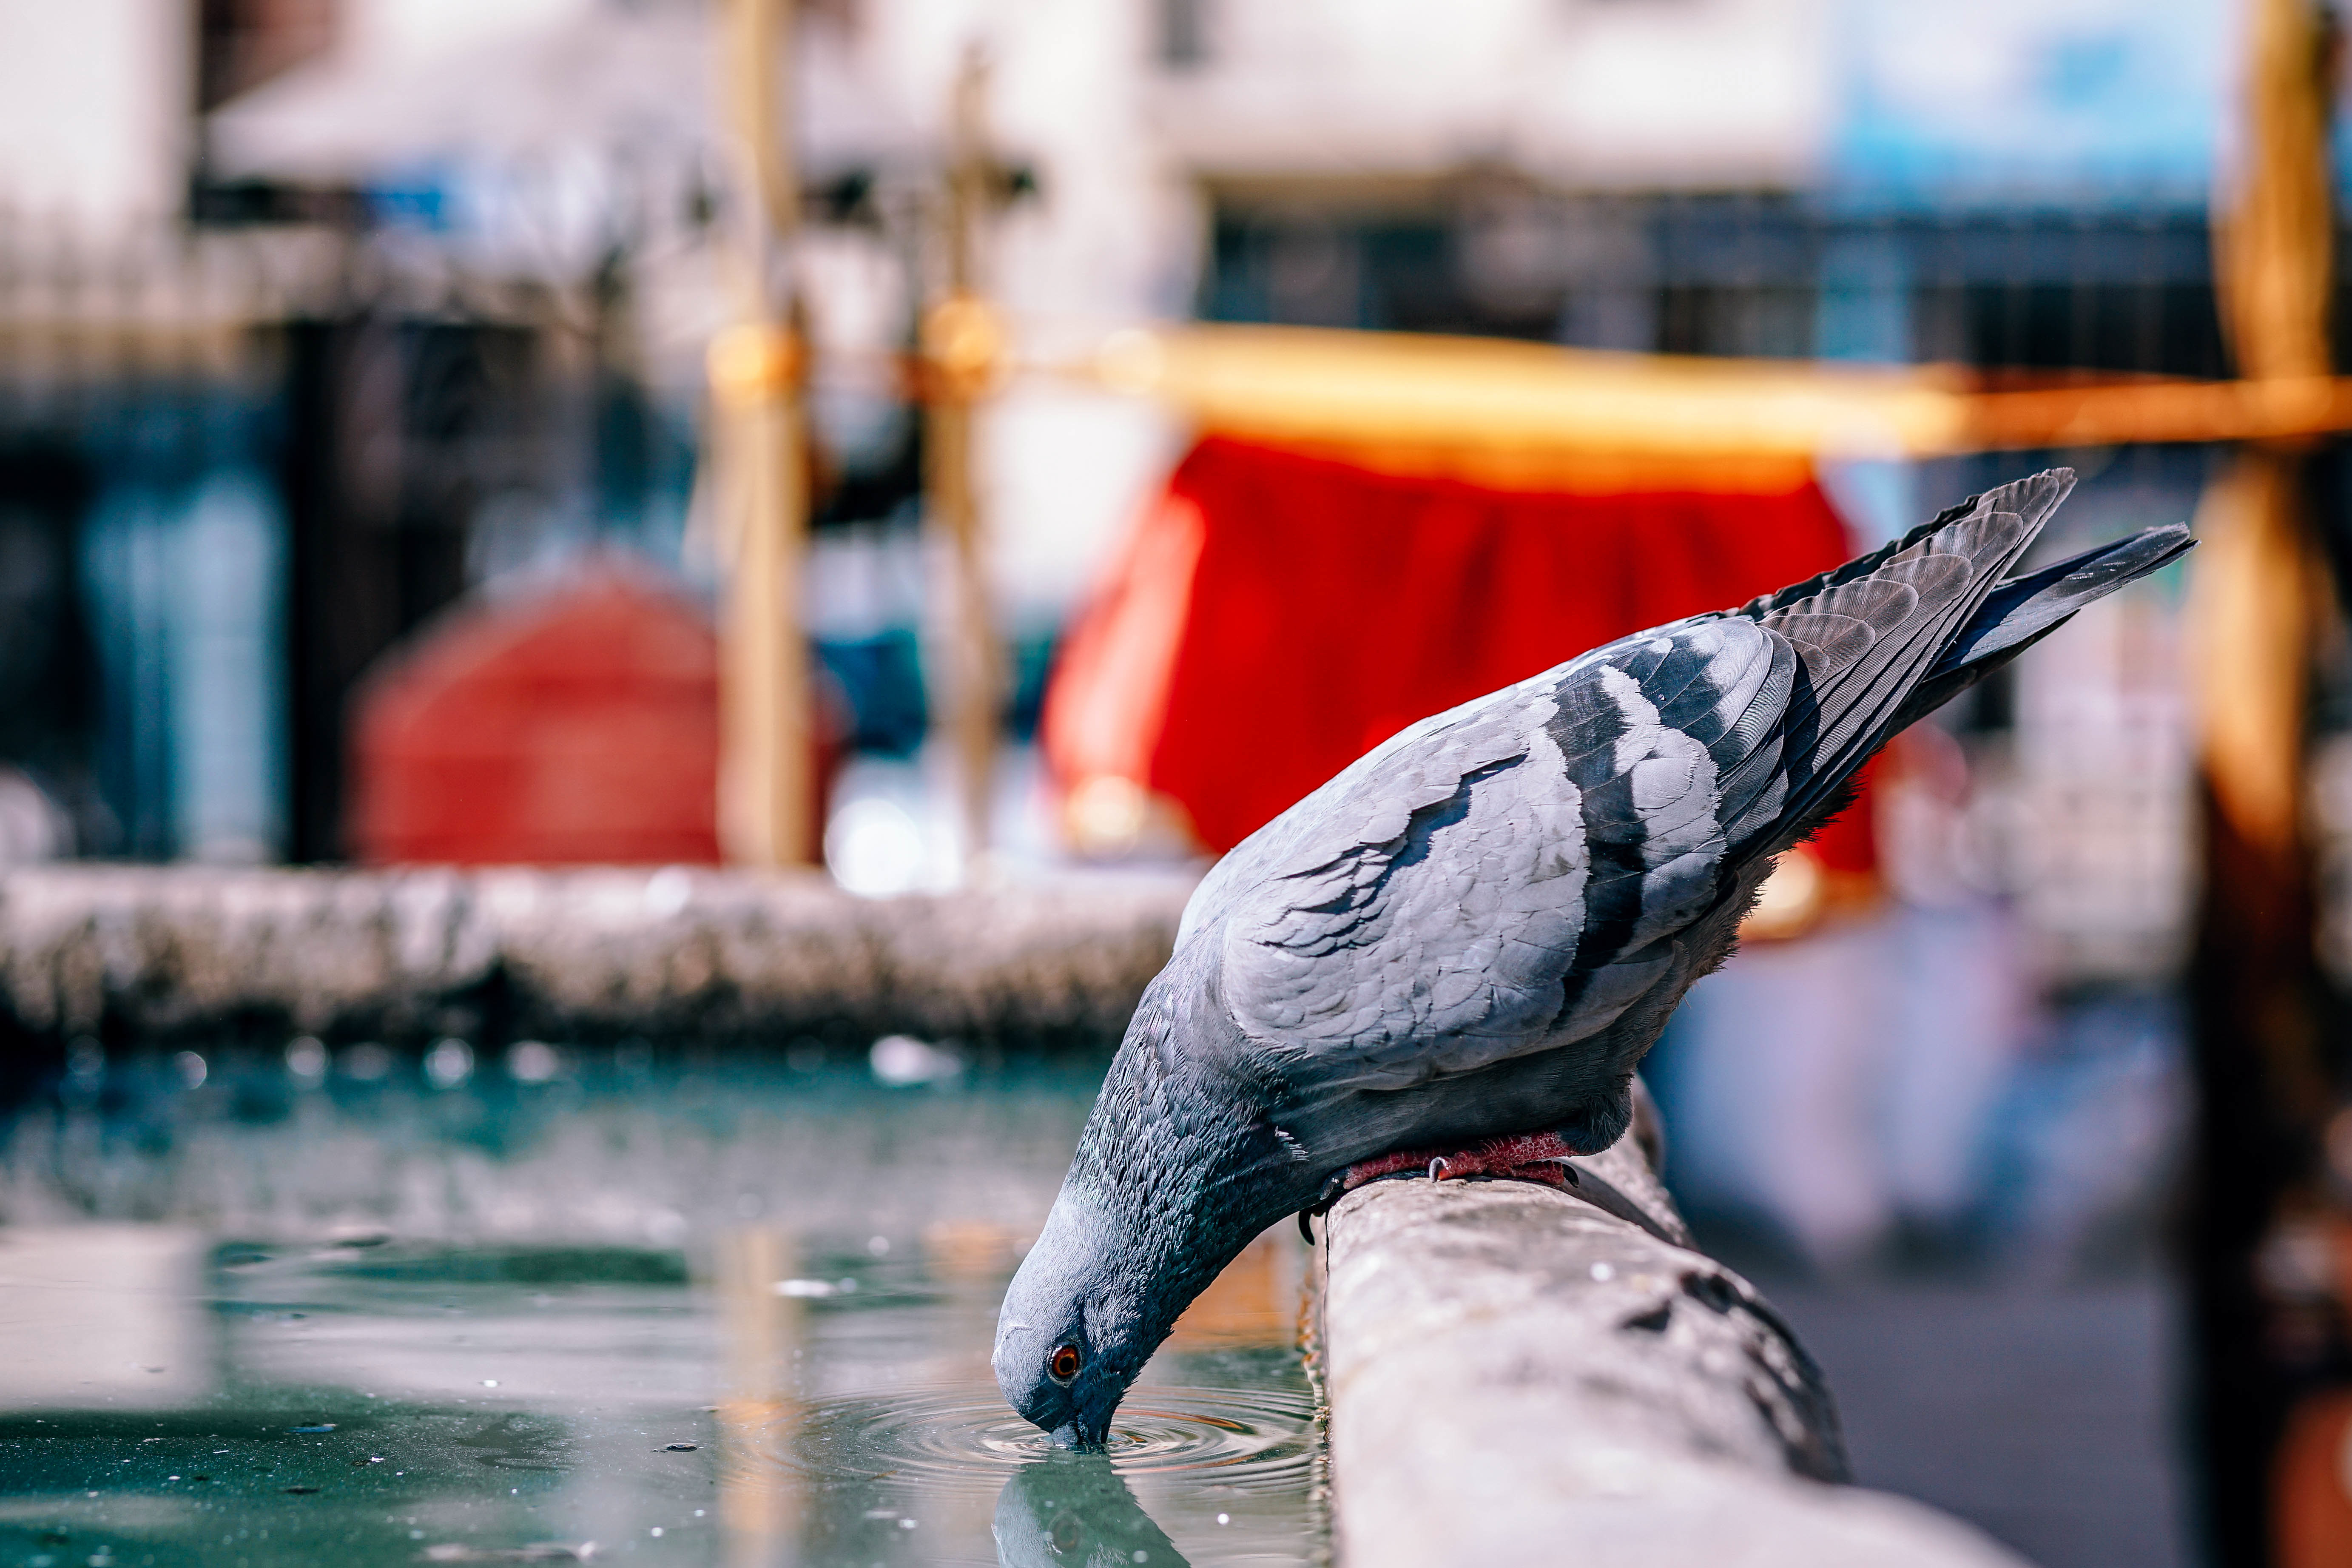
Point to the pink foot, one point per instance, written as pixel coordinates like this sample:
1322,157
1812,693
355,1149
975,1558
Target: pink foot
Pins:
1526,1157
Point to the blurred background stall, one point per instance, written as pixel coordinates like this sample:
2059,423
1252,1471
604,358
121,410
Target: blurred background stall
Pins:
1150,403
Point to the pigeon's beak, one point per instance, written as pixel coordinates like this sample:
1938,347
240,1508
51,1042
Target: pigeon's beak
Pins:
1076,1434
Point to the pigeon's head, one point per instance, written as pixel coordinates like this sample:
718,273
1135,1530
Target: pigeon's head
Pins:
1067,1342
1175,1172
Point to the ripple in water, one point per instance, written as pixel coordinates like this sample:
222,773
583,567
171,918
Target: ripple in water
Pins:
1249,1441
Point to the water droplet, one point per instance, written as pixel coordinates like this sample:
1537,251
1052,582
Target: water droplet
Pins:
489,1383
449,1063
306,1058
1224,1519
657,1529
1602,1273
901,1061
879,1245
532,1062
191,1067
680,1448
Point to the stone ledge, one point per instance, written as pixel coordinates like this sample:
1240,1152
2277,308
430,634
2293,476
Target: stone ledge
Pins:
1516,1374
672,954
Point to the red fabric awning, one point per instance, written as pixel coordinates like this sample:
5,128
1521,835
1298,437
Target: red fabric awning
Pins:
1275,614
575,725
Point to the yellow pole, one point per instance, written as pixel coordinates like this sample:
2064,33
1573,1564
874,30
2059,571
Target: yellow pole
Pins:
963,344
2274,253
766,796
2260,589
2258,598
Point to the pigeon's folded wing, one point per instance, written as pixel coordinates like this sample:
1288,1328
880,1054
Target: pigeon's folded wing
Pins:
1509,875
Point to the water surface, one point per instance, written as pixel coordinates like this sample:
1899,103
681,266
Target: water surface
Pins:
619,1306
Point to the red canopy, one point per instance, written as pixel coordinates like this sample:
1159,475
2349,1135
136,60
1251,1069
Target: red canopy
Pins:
1275,614
573,725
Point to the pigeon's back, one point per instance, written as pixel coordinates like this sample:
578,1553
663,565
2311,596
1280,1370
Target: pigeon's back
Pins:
1528,870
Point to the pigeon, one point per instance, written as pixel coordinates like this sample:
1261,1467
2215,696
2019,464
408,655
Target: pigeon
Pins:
1454,954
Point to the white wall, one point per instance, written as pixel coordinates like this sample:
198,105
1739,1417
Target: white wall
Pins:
1591,92
94,105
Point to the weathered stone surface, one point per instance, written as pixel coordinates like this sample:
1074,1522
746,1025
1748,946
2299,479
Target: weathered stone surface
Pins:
1521,1374
669,954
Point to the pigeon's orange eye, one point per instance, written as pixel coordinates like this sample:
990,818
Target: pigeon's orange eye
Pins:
1065,1363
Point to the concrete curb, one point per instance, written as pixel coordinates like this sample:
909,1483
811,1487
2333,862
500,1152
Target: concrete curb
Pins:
675,954
1521,1374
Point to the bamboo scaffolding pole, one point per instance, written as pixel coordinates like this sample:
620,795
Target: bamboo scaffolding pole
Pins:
766,793
963,349
2261,598
1544,414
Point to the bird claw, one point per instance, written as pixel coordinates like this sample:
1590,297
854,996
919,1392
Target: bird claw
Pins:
1332,1188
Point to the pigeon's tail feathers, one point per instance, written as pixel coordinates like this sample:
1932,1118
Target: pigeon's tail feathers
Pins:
2032,499
1865,636
2024,610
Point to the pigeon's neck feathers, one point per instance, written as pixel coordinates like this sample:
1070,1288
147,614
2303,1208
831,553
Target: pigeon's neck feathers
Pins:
1167,1158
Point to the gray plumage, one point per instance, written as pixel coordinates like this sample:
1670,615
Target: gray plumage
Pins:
1072,1511
1480,927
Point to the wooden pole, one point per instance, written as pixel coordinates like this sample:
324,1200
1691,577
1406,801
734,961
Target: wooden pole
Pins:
963,348
766,796
2258,595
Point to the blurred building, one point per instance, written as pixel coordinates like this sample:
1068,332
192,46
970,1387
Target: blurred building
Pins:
323,315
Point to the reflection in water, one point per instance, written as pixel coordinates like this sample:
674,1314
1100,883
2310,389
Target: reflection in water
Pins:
95,1315
739,1322
1073,1509
1228,1466
758,1506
